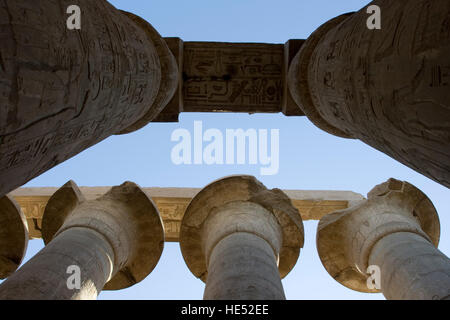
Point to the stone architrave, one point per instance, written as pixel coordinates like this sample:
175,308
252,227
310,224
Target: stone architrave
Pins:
390,87
241,239
109,243
13,236
232,77
172,203
387,243
62,90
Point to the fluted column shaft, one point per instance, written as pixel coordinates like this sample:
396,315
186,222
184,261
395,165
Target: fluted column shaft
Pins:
411,267
387,87
242,241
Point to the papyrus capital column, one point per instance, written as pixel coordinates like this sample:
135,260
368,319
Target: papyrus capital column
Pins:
387,87
13,236
241,239
115,241
62,91
396,230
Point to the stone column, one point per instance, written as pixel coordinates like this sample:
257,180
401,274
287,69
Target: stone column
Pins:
387,243
62,90
388,87
241,239
13,236
115,241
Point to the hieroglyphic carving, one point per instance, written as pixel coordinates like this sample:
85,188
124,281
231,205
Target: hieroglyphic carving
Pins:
233,77
316,209
62,91
172,211
172,204
388,87
33,207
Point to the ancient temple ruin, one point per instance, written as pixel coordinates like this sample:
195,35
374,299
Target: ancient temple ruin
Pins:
62,92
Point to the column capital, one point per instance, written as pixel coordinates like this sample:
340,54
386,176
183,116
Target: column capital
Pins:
234,189
386,87
13,236
303,94
125,216
169,74
346,238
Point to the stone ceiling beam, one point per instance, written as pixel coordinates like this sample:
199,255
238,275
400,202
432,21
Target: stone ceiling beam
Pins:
172,203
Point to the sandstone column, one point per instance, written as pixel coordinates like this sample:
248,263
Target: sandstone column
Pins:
241,239
115,241
395,232
13,236
62,91
390,88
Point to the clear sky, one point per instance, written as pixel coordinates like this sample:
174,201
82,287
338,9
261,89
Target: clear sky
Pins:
310,159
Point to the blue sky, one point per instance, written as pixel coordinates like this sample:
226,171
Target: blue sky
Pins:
309,158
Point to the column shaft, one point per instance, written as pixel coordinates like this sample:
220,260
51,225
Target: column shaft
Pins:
241,239
46,275
243,266
387,243
63,90
109,243
387,87
242,242
411,268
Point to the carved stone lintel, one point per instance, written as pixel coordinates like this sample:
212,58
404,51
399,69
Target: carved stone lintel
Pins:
172,203
232,77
